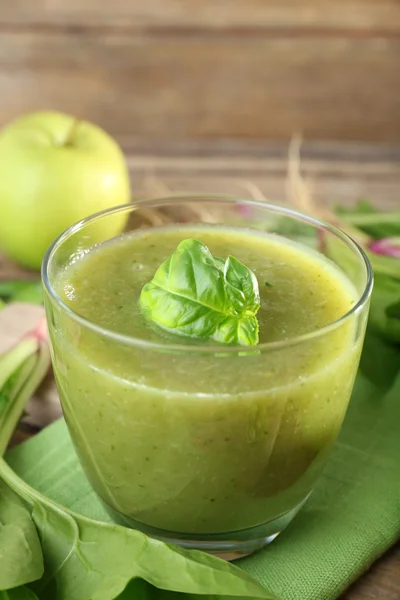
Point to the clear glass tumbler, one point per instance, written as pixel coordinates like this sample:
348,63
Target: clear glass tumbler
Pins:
207,447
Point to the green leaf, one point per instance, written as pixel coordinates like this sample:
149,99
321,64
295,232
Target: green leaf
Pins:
393,311
384,265
26,365
85,559
361,207
380,360
296,230
377,224
20,552
3,401
196,295
20,593
242,279
140,590
384,317
22,291
21,561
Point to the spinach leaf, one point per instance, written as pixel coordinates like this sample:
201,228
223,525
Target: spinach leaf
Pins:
196,295
22,368
20,552
380,360
384,265
85,559
140,590
22,291
20,593
393,311
382,251
384,314
375,223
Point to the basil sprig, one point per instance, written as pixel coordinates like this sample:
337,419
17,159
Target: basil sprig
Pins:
195,294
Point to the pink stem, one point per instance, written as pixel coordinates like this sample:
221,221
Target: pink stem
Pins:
386,247
40,332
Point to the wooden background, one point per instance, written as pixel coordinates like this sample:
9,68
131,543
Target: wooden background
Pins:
207,69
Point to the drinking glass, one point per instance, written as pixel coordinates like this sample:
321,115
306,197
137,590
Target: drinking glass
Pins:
210,447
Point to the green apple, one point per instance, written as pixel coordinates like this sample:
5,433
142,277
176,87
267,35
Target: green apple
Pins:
54,171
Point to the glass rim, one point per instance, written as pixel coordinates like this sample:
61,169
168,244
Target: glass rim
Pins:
211,349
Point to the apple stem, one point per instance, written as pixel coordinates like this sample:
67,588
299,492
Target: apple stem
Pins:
71,133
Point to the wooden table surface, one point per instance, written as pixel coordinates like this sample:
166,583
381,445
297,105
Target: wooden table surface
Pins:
335,173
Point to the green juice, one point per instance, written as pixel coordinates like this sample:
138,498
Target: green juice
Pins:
194,440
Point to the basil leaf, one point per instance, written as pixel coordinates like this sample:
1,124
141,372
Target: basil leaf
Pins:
197,295
240,278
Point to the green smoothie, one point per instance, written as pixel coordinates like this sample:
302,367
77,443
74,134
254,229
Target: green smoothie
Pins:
195,440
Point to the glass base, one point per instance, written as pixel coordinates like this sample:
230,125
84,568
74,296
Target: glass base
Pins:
229,546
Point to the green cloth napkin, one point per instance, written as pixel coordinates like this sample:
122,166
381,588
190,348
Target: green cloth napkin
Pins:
351,519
